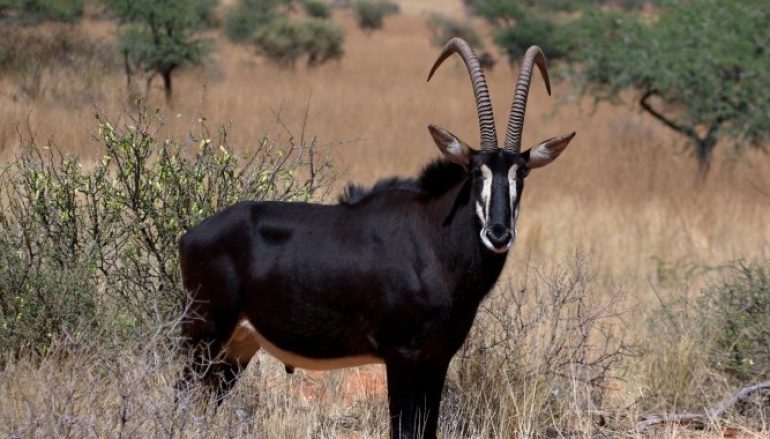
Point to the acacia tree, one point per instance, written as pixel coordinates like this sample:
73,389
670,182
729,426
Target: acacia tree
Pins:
160,36
702,69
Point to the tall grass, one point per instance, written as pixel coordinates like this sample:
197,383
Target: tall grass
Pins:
508,381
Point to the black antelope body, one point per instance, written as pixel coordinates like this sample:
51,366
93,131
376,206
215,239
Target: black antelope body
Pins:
392,275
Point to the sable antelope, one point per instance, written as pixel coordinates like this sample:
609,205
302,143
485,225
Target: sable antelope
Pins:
391,275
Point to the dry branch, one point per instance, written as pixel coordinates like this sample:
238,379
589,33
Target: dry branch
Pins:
700,421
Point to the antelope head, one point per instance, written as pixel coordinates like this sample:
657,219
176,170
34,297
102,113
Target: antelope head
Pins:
497,173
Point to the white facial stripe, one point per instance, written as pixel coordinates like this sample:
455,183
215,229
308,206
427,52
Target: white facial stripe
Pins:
486,191
512,187
480,213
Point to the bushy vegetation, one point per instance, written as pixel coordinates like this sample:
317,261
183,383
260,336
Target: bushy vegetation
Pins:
34,11
284,39
370,14
497,9
736,317
703,345
515,40
444,28
538,358
93,248
317,8
247,16
535,366
206,12
519,25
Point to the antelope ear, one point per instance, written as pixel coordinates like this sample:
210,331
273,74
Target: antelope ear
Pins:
453,148
547,151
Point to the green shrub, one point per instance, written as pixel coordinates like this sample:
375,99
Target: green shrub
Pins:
514,9
515,40
317,8
56,10
285,41
282,39
94,247
246,17
497,12
370,14
206,12
444,28
736,317
7,6
324,41
42,301
34,11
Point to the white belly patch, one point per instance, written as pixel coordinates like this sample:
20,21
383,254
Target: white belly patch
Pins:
246,340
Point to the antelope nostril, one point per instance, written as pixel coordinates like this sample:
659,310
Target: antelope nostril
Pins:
499,235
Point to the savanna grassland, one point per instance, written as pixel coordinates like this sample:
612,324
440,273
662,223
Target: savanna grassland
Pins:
601,303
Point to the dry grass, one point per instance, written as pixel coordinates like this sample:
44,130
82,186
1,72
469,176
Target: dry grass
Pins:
624,192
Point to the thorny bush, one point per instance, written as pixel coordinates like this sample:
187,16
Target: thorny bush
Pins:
539,356
93,246
736,317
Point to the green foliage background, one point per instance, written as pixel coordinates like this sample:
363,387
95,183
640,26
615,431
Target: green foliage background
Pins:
736,316
444,28
284,39
706,61
701,67
370,14
34,11
161,35
92,249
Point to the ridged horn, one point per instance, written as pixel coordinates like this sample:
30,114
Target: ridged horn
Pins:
483,103
534,55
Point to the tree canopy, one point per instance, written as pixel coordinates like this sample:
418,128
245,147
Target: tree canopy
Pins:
161,36
700,67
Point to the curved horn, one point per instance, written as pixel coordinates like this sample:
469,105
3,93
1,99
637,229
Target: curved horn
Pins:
534,55
483,103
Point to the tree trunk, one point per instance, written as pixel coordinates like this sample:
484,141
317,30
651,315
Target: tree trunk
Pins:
166,74
704,146
148,84
704,152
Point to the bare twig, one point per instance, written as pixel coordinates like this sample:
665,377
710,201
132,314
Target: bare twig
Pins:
700,421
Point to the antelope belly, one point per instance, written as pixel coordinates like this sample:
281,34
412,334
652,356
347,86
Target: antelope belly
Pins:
243,344
296,360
